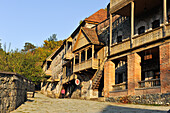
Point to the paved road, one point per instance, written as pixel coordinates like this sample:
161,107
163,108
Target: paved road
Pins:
43,104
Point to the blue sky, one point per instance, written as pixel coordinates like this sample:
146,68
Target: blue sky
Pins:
35,20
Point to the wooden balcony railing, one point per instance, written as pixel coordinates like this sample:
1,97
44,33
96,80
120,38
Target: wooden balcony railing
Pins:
139,40
147,37
121,86
120,47
91,63
149,83
167,32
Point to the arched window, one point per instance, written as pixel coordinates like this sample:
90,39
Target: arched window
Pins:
141,30
155,24
119,36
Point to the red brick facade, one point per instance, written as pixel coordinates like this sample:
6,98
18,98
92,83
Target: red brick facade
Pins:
134,72
109,77
164,51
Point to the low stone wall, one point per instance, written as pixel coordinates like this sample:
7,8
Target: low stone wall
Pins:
13,91
148,99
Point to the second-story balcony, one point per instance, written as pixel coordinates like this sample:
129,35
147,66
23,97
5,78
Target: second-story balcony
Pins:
92,63
139,40
68,55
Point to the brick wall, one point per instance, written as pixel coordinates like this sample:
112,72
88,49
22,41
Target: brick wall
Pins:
134,72
164,51
109,77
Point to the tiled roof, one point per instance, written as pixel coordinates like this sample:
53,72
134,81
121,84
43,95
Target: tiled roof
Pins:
92,35
99,16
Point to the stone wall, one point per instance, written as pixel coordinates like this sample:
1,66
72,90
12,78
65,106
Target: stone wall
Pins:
13,91
148,99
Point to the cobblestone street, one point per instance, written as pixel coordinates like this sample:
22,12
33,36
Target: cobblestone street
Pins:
43,104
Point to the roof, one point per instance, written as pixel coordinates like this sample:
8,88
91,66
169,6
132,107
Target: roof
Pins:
99,16
92,35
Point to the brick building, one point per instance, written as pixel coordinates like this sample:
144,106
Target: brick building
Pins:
139,59
121,52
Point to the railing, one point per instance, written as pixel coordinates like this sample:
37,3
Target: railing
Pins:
121,86
147,37
139,40
167,30
91,63
149,83
120,47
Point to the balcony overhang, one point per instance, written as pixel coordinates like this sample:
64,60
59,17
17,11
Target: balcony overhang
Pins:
68,79
123,7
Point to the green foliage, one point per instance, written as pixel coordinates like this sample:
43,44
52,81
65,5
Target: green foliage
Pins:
28,46
52,38
28,61
0,45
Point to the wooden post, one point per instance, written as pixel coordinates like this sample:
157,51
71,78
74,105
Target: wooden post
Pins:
71,67
165,11
164,16
110,43
92,51
79,57
85,54
132,21
74,59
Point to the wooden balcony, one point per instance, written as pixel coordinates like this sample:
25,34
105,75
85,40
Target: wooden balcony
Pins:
149,83
120,47
148,37
68,55
89,64
167,30
121,86
139,40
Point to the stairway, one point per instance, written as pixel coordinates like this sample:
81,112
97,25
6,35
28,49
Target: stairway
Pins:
98,75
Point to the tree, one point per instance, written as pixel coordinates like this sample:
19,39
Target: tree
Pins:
0,45
28,46
52,38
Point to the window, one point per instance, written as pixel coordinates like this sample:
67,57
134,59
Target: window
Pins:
119,39
155,24
82,56
76,59
141,30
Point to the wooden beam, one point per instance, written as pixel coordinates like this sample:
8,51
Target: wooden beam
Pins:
85,54
132,20
92,51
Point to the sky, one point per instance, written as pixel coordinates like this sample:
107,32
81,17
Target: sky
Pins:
36,20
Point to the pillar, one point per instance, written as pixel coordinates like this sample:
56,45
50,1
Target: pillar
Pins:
132,20
79,57
92,51
164,51
134,72
85,54
165,11
109,77
111,27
